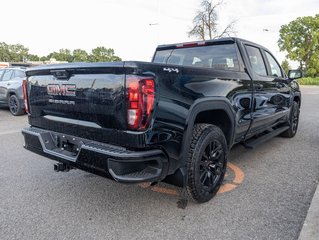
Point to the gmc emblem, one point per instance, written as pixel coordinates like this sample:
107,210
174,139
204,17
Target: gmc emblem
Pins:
61,90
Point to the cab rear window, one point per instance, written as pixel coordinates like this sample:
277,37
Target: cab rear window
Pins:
219,57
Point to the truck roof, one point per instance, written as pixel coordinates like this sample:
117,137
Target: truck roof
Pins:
205,42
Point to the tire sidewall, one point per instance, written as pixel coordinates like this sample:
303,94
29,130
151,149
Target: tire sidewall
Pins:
18,105
295,107
209,134
291,132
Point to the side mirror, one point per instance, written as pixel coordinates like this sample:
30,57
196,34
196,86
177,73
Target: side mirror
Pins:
295,74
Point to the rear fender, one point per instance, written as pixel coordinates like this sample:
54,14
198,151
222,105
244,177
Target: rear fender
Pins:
179,178
201,105
17,92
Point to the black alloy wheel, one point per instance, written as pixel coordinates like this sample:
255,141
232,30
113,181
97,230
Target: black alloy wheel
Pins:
293,121
206,165
211,165
15,106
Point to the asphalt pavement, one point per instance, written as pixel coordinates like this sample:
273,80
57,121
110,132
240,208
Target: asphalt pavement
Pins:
266,195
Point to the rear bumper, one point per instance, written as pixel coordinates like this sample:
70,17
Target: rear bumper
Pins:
115,162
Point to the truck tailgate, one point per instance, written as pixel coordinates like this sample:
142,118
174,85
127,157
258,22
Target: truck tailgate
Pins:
82,99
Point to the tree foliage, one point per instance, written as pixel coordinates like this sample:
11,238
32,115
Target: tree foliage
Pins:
13,52
19,53
300,38
285,65
205,22
102,54
62,55
80,55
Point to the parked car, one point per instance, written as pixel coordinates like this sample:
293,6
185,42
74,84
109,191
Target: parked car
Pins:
11,89
174,119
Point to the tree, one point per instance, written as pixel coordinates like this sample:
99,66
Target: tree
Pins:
300,38
19,53
102,54
285,65
80,55
4,52
43,58
62,55
205,22
32,57
13,53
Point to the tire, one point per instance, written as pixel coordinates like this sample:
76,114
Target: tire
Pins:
293,121
206,163
15,106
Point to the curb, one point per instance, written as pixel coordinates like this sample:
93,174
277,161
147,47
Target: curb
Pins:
310,229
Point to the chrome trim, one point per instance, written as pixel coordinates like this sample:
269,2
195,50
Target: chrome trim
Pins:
72,121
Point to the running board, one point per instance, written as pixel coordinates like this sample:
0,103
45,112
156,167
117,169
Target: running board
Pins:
252,143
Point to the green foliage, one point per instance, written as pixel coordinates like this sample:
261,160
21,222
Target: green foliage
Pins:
309,81
80,55
62,55
102,54
32,57
300,38
4,52
13,53
285,66
19,53
99,54
43,59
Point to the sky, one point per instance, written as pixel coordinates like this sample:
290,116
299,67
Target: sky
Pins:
133,28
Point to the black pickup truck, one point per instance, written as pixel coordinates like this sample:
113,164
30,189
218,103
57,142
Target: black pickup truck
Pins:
174,119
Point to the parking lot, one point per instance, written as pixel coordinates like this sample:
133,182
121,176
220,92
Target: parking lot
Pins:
266,193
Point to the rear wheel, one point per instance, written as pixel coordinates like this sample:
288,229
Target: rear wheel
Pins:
293,121
206,163
15,106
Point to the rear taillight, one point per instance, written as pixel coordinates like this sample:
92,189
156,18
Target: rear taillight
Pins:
140,94
24,90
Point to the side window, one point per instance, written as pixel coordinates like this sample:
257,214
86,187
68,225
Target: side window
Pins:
7,75
19,73
224,57
256,60
1,72
274,66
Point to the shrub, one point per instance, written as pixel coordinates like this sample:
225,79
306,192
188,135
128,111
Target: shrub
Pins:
309,81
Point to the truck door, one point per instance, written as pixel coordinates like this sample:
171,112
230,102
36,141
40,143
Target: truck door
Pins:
281,93
269,91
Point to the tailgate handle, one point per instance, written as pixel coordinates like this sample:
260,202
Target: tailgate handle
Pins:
61,74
